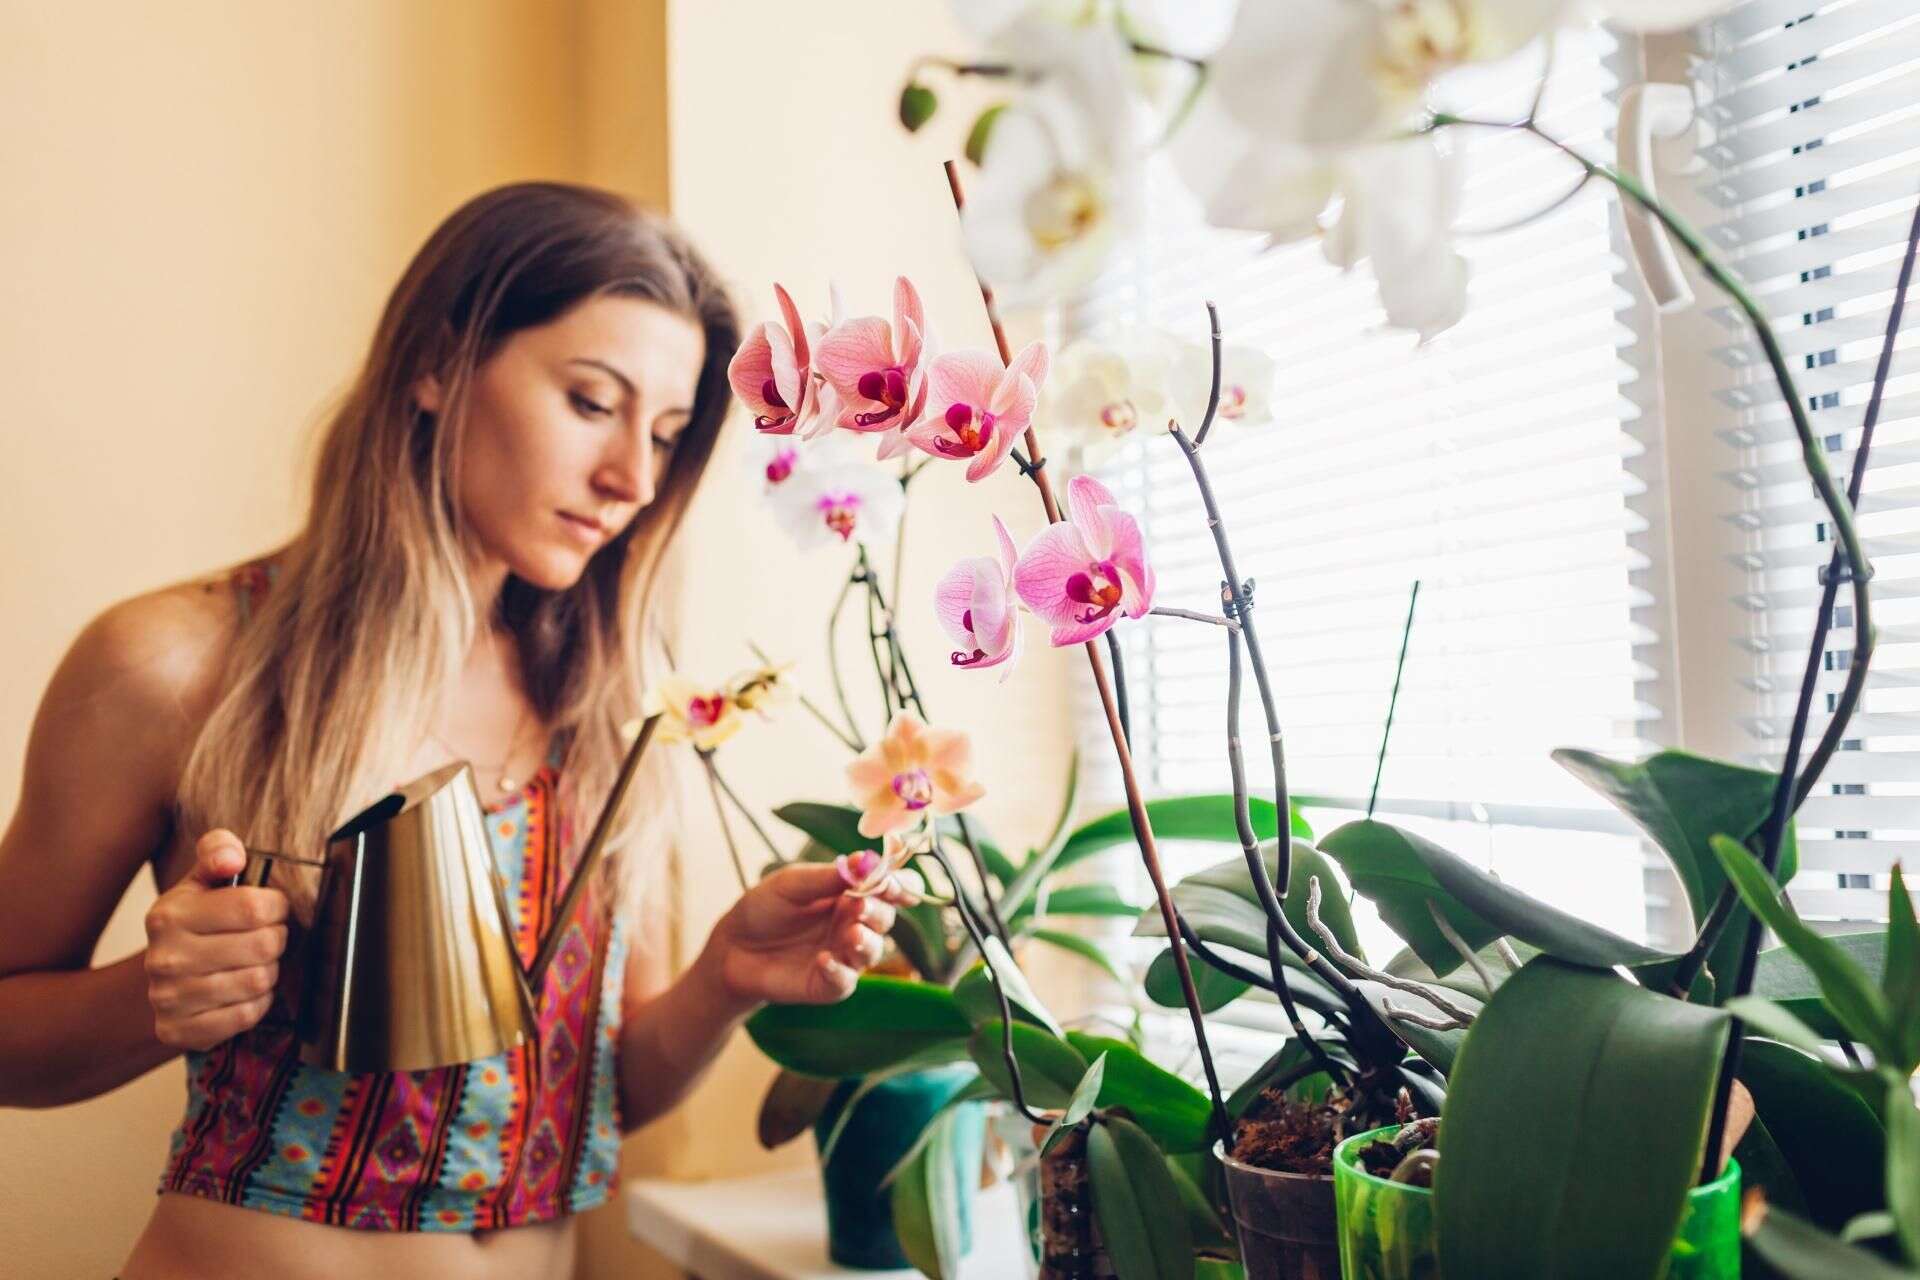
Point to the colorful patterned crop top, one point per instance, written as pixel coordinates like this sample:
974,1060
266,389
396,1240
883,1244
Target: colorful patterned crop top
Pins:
521,1137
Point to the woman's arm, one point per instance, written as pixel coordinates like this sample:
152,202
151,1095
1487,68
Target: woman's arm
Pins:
796,937
95,804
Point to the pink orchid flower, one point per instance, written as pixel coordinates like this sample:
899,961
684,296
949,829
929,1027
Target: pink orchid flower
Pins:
976,604
1085,572
878,371
867,873
771,372
976,408
909,771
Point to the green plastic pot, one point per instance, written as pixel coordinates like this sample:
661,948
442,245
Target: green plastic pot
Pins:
1387,1229
882,1128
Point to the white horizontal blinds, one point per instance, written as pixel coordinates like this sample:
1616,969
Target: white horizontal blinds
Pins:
1815,111
1496,465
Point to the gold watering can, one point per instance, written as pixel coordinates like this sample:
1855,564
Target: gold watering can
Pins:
408,962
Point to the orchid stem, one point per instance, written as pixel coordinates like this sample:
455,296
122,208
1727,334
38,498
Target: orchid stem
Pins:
1136,804
726,829
1120,685
719,780
1393,699
1213,391
809,706
833,666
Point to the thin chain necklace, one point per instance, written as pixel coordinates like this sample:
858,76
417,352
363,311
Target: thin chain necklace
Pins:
505,782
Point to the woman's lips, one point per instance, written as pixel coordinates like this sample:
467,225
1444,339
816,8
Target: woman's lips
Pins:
589,532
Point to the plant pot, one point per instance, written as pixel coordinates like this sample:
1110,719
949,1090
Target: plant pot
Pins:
881,1130
1286,1222
1066,1238
1388,1230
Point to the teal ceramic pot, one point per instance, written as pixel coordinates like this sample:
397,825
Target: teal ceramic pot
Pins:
1387,1229
882,1128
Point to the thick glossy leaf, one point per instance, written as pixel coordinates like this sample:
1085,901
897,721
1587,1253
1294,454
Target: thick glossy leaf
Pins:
1406,964
792,1104
1764,1166
1784,978
1576,1113
833,826
1222,897
1682,801
933,1058
884,1021
1856,1000
1438,1047
1078,1107
1215,989
1050,1068
1208,817
1828,1136
1289,1058
1776,1023
1086,948
1173,1111
1902,980
920,934
1133,1199
1801,1251
975,991
1384,865
1210,1234
1218,1269
1080,900
926,1201
1903,1165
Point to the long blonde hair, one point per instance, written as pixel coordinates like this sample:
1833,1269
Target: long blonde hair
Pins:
335,678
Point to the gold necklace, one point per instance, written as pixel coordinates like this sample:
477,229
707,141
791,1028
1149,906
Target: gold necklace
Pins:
506,781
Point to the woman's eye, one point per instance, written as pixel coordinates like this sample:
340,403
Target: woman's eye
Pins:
590,408
665,443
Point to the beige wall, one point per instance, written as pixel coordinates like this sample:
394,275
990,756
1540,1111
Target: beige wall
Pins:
202,207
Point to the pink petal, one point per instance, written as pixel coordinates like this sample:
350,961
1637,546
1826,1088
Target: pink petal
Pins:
1129,556
1009,553
794,327
909,321
1033,362
1056,553
1085,499
786,375
1070,632
750,370
962,377
953,597
986,463
852,348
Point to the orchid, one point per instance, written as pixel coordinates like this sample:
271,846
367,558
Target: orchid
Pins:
825,495
763,687
771,372
1246,384
977,605
911,770
868,874
976,408
1084,573
692,713
878,370
1105,389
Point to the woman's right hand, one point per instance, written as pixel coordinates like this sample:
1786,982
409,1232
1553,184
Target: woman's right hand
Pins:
213,952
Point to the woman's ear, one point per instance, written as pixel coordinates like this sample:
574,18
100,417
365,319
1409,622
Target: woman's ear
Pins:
428,395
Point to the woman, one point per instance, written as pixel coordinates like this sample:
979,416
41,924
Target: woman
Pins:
478,579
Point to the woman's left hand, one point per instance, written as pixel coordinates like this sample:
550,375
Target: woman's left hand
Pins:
798,937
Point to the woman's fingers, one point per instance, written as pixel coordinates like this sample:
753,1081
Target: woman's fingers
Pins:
212,991
859,947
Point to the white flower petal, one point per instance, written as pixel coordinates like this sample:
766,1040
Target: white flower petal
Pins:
1661,15
1304,71
1247,182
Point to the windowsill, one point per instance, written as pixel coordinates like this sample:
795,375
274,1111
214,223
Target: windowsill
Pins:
774,1227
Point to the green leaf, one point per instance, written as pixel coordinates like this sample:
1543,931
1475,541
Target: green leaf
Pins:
1771,1020
868,1083
1173,1111
1218,1269
1132,1189
1903,1165
926,1201
1205,817
1576,1113
1086,948
999,865
1223,906
1050,1068
975,991
1438,1047
1210,1234
1853,997
1764,1166
1215,989
1801,1251
1826,1133
1682,801
976,148
1291,1056
884,1021
1070,795
917,105
920,934
1902,980
1078,1106
1868,1226
1784,978
1406,964
833,826
1078,900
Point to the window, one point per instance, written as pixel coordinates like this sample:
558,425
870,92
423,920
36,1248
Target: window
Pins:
1500,465
1815,113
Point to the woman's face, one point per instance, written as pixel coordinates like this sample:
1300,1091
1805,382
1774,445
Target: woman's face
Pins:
570,428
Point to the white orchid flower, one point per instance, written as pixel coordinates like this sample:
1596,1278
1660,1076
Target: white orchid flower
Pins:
824,493
1104,390
1247,377
1060,181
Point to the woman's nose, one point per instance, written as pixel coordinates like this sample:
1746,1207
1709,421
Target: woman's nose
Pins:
629,475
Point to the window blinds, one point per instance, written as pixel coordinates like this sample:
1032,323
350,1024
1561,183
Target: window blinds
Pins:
1497,464
1815,115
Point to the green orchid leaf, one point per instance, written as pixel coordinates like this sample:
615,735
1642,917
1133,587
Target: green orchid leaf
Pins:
1682,801
1784,978
1078,1107
1206,817
1436,1046
1407,964
884,1021
1080,900
1576,1113
1132,1191
1856,1000
1798,1250
1384,866
1832,1141
1903,1165
926,1201
1210,1234
933,1058
1215,989
1764,1166
1086,948
1289,1058
832,826
1173,1111
1050,1068
1902,980
975,991
1223,906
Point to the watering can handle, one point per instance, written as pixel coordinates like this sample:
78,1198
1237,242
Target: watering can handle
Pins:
596,846
259,860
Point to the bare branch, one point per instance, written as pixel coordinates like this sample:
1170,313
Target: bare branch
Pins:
1452,935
